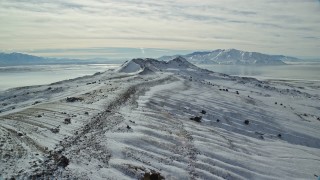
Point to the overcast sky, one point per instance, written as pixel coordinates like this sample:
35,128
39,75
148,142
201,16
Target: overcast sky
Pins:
125,28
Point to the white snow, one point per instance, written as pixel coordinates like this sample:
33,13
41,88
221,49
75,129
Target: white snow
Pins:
140,123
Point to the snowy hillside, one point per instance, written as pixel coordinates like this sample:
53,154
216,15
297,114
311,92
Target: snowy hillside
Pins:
233,56
161,120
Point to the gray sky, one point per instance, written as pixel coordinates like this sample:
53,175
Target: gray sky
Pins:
117,28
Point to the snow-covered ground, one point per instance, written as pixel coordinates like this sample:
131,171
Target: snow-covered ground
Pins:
152,119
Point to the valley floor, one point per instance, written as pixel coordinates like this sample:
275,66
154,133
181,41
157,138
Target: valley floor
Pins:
135,125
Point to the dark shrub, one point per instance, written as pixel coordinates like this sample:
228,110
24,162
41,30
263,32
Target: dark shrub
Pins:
152,176
37,102
73,99
203,112
63,161
132,121
246,122
67,120
55,130
197,118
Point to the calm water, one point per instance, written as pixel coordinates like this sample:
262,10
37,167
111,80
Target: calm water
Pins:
16,76
297,71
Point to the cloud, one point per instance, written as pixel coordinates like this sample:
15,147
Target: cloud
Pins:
104,52
271,26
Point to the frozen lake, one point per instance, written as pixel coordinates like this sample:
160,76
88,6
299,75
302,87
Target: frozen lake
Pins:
294,71
16,76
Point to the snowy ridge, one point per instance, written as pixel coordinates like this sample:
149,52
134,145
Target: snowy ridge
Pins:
233,56
168,120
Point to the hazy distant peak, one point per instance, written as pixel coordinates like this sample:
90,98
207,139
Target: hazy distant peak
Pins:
16,58
232,56
179,59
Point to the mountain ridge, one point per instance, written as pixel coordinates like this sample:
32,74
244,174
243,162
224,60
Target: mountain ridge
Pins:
15,59
233,57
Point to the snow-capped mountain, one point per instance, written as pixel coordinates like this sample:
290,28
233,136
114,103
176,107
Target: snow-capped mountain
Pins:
233,56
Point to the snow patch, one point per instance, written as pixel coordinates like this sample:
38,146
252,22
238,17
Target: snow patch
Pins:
130,67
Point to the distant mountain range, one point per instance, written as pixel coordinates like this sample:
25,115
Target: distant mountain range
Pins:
232,57
18,58
14,59
220,56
